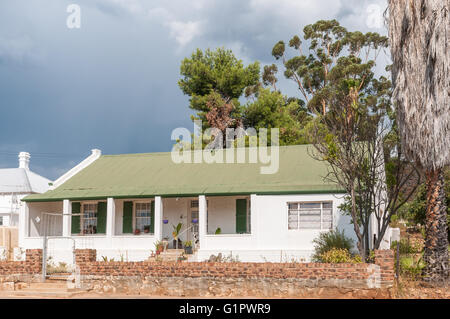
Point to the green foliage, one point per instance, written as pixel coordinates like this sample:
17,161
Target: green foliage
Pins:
338,255
411,266
405,247
218,231
176,230
216,71
329,240
273,110
333,66
415,211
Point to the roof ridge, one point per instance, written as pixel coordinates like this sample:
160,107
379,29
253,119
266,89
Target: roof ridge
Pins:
168,152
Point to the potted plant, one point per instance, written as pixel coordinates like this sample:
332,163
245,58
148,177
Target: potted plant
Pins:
188,247
146,229
137,231
218,231
175,233
159,247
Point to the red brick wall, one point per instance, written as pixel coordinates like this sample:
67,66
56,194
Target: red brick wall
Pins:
314,271
31,265
385,259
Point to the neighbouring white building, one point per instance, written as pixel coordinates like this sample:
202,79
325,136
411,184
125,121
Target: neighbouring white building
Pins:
122,205
16,183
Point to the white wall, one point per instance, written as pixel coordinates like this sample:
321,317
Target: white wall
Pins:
222,213
10,211
38,209
270,238
176,210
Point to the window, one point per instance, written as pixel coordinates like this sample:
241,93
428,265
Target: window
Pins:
143,217
89,219
310,215
1,220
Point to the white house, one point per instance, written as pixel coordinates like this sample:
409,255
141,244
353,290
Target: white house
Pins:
16,183
122,204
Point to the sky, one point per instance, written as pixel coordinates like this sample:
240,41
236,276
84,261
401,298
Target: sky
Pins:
112,83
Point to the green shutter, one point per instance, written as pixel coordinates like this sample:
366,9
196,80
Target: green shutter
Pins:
152,218
101,218
127,220
241,216
76,209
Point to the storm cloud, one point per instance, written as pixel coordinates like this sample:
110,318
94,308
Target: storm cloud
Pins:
112,84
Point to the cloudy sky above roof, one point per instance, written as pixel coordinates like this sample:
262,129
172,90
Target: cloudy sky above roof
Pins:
112,84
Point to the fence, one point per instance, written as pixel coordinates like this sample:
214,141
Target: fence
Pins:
175,278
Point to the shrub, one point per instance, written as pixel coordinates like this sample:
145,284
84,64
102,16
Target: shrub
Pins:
410,267
339,255
329,240
406,247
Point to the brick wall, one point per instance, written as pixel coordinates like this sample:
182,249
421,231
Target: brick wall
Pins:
385,259
31,265
360,275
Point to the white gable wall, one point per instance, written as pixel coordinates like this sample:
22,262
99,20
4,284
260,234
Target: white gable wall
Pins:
10,210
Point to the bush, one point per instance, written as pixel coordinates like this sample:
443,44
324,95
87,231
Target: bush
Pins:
339,255
406,247
410,267
329,240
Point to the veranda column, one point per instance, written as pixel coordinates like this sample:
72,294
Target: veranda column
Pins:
67,218
110,216
158,217
202,222
23,223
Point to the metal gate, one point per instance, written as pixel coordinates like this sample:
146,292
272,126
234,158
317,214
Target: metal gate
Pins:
58,253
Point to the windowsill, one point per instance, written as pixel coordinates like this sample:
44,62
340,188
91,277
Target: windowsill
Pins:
134,236
229,235
302,230
88,235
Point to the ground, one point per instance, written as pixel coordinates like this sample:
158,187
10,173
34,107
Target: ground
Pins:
404,290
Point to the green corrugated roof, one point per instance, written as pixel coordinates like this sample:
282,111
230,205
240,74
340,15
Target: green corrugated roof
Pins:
155,174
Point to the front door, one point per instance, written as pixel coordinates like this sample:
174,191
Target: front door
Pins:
193,223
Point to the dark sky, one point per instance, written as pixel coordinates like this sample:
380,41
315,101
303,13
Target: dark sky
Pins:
112,84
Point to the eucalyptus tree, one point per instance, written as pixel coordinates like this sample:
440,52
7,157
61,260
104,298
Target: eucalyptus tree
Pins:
351,126
419,33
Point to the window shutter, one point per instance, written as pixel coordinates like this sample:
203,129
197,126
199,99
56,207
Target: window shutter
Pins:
101,218
152,217
241,216
127,220
76,227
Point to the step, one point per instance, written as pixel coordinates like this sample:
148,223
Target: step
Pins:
41,294
45,285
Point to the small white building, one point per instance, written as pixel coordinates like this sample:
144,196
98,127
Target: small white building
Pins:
121,205
16,183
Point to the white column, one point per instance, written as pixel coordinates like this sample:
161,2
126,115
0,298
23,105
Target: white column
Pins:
67,218
158,217
110,216
202,222
24,221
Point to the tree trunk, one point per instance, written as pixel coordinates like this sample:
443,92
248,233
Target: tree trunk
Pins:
436,240
360,243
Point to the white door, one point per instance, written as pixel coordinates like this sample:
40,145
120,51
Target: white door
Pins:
193,223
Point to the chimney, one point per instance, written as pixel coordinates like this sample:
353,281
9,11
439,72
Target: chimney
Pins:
24,160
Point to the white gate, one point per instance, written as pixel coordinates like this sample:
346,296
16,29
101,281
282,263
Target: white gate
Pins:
58,253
